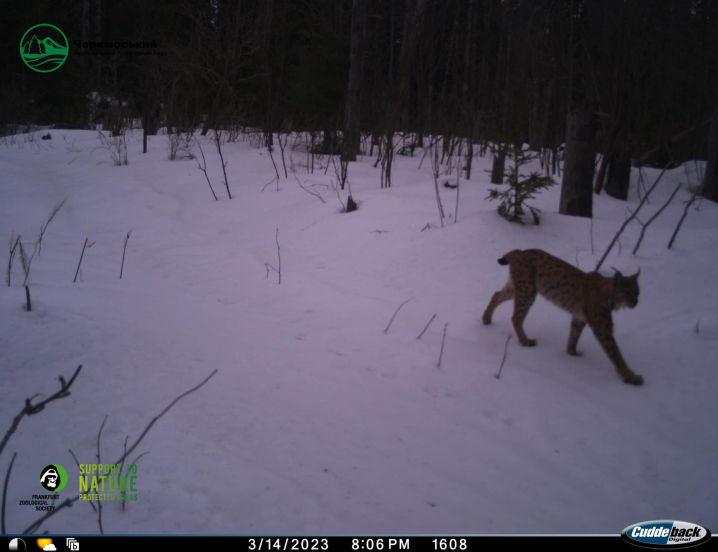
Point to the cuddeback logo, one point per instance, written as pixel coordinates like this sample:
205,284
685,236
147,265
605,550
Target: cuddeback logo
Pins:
665,534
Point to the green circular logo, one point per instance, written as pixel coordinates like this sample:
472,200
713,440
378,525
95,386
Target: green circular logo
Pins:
44,48
53,478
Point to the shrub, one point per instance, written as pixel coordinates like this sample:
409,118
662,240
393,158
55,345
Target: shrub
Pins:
521,188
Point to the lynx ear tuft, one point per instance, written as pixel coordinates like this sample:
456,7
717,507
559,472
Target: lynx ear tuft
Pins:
618,274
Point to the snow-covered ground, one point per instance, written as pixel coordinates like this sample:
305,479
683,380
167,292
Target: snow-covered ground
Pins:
319,422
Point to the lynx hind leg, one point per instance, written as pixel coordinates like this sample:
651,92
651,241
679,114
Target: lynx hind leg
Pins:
524,297
504,294
577,326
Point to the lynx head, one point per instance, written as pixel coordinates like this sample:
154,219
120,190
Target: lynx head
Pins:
625,290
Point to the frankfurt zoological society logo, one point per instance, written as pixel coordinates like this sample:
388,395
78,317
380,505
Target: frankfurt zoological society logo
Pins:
53,478
44,48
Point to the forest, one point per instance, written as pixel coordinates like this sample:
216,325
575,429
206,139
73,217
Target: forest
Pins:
634,81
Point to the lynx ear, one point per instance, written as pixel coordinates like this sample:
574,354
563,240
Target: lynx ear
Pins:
618,274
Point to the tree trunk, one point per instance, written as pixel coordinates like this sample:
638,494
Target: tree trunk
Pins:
350,139
709,188
98,35
497,170
579,160
619,175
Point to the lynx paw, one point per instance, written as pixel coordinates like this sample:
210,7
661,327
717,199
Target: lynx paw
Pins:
575,353
529,343
486,320
635,379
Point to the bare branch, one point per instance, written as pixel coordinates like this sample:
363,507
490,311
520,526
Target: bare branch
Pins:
427,326
4,495
395,313
204,169
308,191
441,353
49,220
99,461
629,219
78,264
683,217
30,409
34,526
506,345
654,217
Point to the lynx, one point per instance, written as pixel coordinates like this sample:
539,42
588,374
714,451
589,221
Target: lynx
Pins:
589,297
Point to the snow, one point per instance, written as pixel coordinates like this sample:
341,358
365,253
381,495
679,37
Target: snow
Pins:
317,421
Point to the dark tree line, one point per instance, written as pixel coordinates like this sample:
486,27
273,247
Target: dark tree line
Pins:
621,78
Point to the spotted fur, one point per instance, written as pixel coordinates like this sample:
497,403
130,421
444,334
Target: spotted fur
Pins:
589,297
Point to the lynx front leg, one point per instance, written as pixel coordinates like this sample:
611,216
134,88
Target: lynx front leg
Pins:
577,326
504,294
611,348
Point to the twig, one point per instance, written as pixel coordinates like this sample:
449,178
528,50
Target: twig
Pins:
269,149
78,467
78,264
442,346
27,298
427,326
218,144
268,266
137,458
49,220
308,191
4,495
127,238
654,217
683,217
268,183
124,449
456,209
30,409
336,189
506,345
204,169
13,248
629,219
34,526
99,461
395,313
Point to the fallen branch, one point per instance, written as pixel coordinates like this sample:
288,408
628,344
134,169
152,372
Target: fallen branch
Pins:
67,503
506,345
395,313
